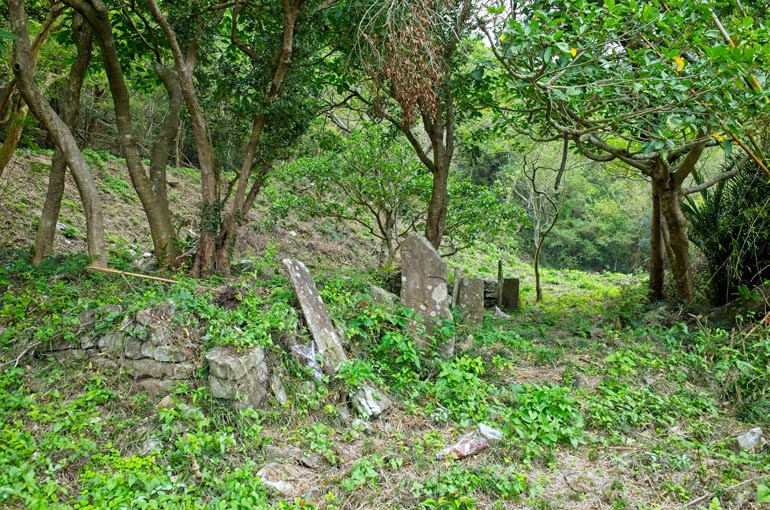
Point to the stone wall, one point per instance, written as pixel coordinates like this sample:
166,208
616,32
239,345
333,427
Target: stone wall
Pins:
150,346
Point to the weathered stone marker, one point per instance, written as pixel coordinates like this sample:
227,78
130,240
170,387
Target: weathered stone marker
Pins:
470,300
456,286
424,285
510,294
382,297
240,377
328,340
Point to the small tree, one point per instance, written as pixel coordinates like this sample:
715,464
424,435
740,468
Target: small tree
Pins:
404,61
730,223
372,179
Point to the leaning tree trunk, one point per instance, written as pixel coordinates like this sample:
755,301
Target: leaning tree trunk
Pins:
13,134
656,248
82,34
65,140
18,108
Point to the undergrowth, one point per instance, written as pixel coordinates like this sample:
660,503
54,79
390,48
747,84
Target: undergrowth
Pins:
647,403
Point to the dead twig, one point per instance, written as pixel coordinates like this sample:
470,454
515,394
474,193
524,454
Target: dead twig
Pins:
712,494
135,275
18,358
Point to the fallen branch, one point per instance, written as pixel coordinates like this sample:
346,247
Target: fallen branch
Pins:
136,275
18,358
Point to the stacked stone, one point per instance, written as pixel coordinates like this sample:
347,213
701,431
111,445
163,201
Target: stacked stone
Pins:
238,376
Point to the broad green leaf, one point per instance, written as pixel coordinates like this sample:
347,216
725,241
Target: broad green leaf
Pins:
763,494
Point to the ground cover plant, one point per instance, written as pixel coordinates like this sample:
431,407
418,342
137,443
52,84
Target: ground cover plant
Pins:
602,403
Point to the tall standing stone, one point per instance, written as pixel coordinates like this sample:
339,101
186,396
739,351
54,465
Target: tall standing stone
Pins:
510,294
328,340
470,300
424,284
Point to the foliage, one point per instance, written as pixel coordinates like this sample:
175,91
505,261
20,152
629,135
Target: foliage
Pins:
543,416
731,225
460,390
385,335
646,75
740,367
372,178
450,489
600,209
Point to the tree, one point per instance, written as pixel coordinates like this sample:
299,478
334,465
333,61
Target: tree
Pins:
372,178
263,42
151,188
647,86
82,35
57,128
410,54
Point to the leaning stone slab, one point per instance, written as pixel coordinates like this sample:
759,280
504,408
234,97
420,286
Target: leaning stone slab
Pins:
470,300
327,339
370,402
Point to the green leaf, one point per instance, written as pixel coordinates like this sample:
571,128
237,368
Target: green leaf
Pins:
727,145
715,504
763,494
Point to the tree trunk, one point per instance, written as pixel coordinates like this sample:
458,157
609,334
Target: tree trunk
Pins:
13,135
19,108
151,192
205,259
22,68
82,35
435,223
656,249
671,209
161,226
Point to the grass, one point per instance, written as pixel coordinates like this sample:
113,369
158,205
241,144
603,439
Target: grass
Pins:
640,414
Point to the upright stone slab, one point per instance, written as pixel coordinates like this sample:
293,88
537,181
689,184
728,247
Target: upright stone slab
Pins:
424,284
470,300
328,340
510,294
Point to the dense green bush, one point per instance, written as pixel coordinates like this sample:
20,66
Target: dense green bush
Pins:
730,223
